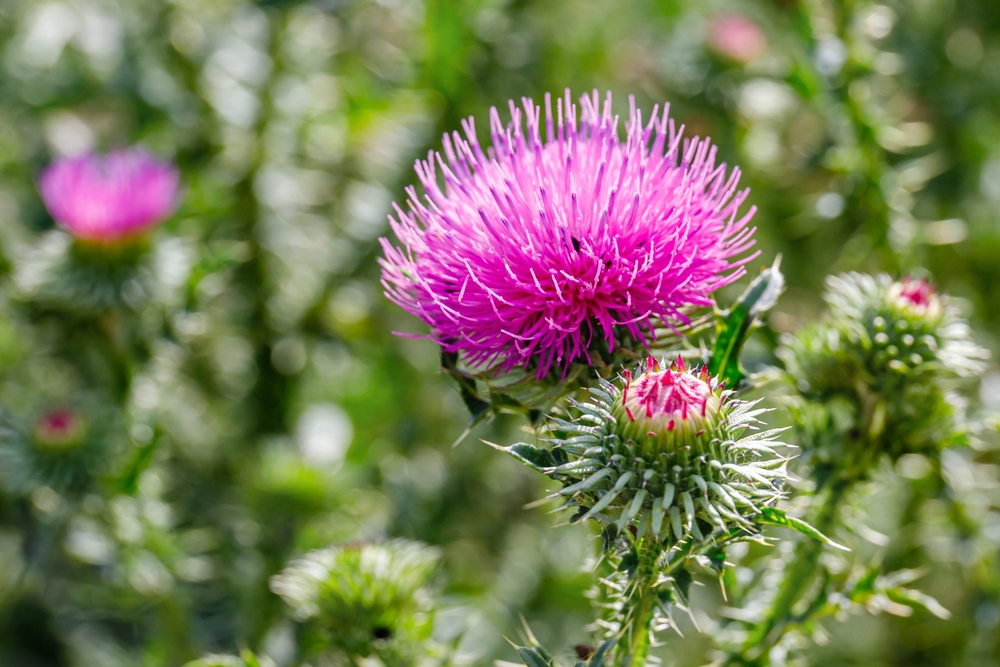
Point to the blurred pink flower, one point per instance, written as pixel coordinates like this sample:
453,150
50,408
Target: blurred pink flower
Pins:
736,37
106,198
536,248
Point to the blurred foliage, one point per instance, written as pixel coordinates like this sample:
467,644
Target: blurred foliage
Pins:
265,408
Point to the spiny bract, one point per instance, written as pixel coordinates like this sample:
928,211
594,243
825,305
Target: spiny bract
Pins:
670,453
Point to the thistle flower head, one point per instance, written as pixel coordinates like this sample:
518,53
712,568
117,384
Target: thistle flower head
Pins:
896,347
61,428
363,600
670,453
63,448
108,198
562,237
736,37
902,326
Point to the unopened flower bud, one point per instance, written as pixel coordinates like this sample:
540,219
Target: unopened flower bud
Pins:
896,347
64,448
669,453
60,429
663,410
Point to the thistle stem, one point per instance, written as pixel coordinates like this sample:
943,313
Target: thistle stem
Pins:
799,576
634,643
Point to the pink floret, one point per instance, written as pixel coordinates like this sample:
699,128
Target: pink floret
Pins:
537,246
105,198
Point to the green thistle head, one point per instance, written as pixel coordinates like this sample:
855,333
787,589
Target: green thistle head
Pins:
902,327
880,367
669,453
363,601
63,447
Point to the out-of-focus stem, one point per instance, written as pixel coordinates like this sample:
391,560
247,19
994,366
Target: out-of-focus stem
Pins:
799,577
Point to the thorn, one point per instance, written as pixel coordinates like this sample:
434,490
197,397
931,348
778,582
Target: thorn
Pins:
670,425
628,411
680,363
651,434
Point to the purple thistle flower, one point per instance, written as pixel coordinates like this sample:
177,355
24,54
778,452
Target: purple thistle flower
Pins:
107,198
535,247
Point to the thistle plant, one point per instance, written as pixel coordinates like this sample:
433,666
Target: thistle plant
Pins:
887,356
105,205
875,379
673,468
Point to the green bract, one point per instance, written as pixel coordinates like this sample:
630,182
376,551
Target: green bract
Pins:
363,601
670,454
879,368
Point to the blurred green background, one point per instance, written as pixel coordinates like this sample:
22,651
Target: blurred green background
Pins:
274,412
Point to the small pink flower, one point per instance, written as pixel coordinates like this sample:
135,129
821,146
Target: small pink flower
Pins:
917,296
537,249
107,198
736,37
916,292
59,428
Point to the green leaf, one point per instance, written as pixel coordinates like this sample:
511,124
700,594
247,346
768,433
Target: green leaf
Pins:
917,600
531,657
531,456
733,326
865,586
477,407
772,516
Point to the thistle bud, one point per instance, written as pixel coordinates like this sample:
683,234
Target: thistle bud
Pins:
368,600
895,347
669,453
902,326
61,448
60,429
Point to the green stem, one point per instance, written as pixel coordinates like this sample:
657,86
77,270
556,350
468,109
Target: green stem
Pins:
634,643
799,576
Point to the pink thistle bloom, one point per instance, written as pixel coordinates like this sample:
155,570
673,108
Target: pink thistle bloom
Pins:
108,198
736,37
535,248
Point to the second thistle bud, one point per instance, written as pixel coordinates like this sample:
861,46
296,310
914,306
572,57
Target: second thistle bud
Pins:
877,374
668,453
